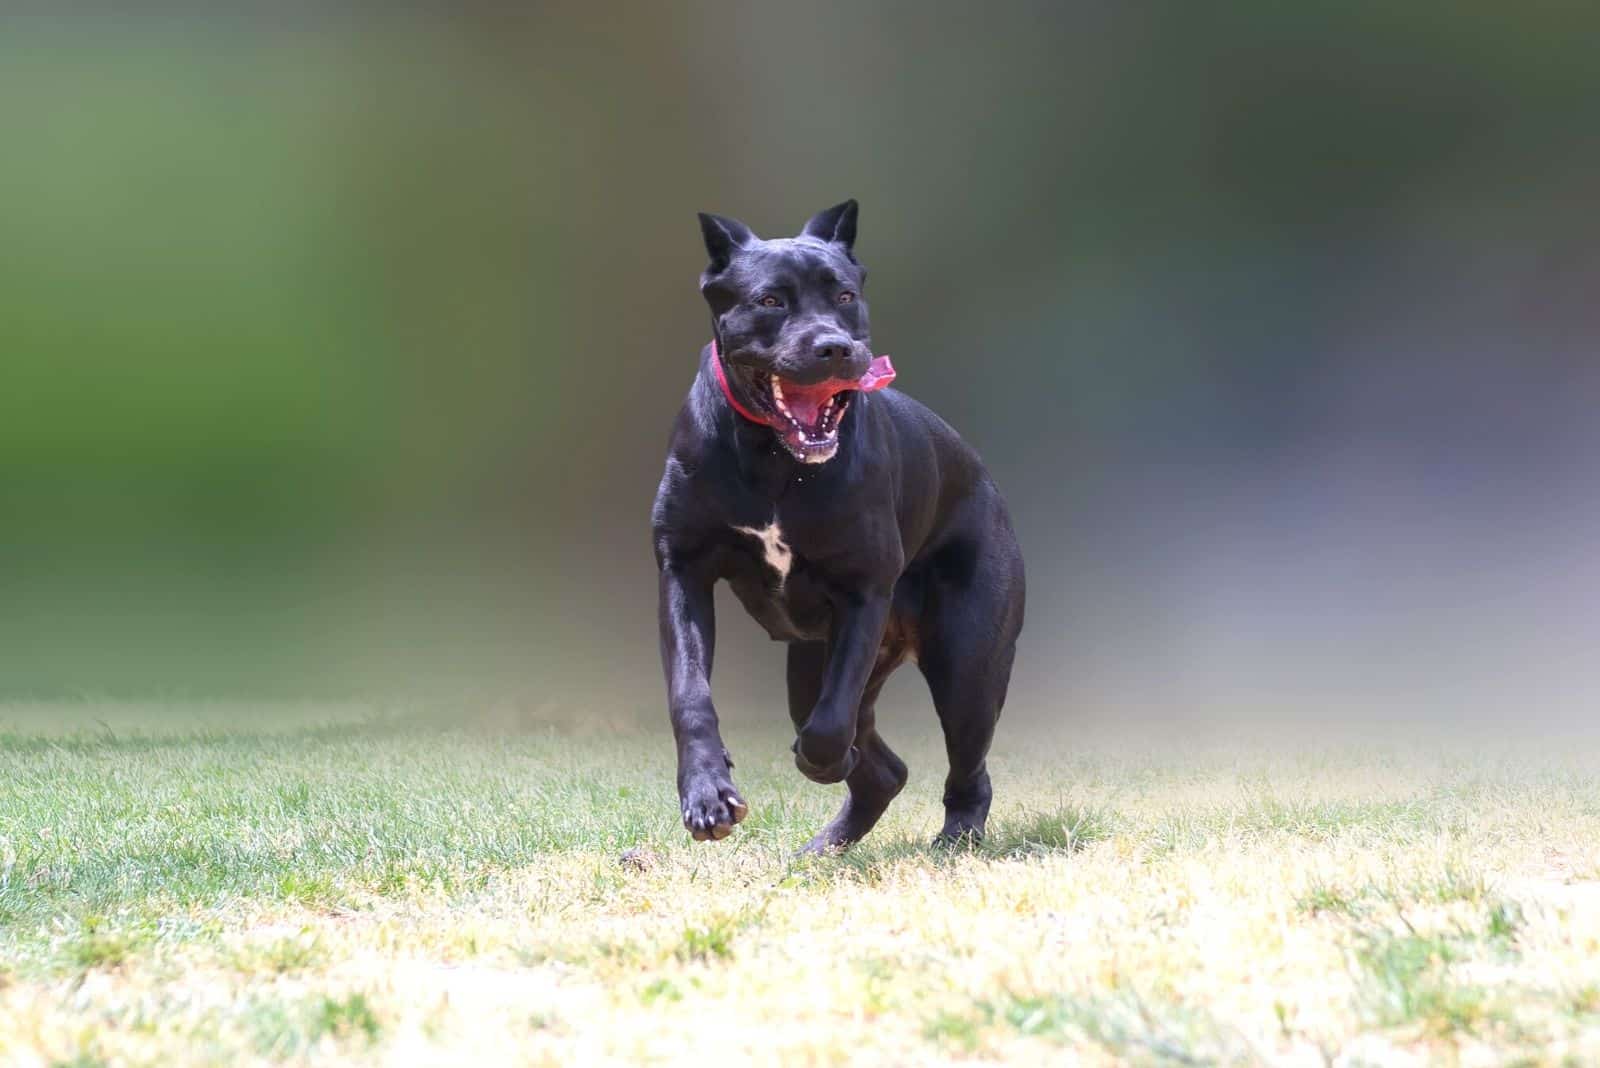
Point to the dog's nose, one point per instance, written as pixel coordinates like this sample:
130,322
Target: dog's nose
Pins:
832,349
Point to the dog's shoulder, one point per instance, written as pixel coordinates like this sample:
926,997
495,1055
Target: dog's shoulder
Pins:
697,461
913,420
696,434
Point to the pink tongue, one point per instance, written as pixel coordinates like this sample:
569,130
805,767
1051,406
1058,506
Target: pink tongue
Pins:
879,374
805,402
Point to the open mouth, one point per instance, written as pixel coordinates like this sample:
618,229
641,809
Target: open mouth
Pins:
806,417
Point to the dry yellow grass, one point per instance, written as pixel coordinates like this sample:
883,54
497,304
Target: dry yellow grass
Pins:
1245,903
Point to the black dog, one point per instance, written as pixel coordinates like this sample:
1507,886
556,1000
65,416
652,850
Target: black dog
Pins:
853,524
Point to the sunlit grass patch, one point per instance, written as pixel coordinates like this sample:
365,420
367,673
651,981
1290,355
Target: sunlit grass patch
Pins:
1585,1000
1321,819
312,889
281,1030
280,954
708,941
1323,897
1408,979
660,990
1065,828
1505,919
350,1016
387,891
962,1030
100,943
1128,1026
1456,882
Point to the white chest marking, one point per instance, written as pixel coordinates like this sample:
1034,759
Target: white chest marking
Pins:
773,547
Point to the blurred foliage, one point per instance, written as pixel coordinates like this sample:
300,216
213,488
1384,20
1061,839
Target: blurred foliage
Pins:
339,351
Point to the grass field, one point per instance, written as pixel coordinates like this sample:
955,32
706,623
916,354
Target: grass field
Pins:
337,887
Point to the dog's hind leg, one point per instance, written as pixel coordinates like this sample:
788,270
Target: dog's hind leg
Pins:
879,774
806,664
968,640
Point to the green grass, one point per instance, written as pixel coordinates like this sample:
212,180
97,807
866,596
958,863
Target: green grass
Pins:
1066,828
382,888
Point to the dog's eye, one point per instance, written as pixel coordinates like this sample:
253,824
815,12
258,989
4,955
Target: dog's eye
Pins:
847,297
769,301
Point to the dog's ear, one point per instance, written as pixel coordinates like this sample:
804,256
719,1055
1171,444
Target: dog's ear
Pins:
723,235
837,224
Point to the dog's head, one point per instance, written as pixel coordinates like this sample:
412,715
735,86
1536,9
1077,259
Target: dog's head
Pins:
791,325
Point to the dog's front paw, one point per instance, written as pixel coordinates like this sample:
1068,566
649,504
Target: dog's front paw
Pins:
711,805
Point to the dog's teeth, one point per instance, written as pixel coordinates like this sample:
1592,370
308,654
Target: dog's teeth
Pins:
777,392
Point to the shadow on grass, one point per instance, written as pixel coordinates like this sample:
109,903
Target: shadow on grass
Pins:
1062,830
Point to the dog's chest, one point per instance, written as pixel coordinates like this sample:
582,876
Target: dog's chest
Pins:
773,583
775,551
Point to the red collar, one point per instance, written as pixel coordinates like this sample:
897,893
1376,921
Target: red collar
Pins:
878,375
722,380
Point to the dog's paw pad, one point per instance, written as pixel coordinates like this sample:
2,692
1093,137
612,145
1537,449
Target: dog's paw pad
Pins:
711,809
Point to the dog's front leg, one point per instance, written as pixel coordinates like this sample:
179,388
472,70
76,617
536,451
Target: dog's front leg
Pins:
825,749
706,795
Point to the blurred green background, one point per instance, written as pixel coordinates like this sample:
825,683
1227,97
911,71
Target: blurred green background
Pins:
338,352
